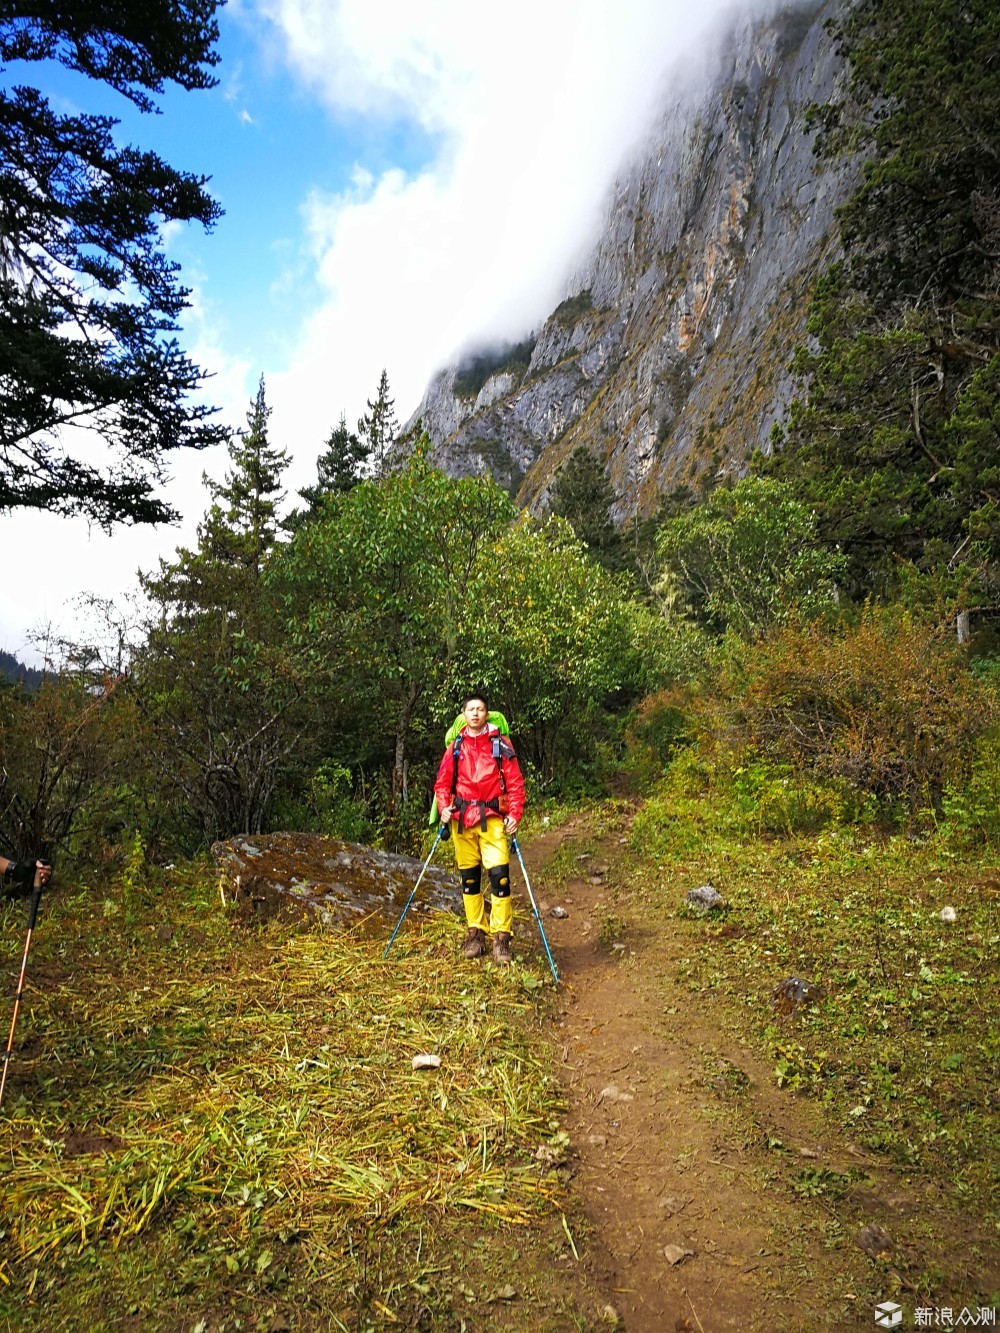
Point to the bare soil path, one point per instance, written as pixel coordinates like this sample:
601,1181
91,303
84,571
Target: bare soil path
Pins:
683,1150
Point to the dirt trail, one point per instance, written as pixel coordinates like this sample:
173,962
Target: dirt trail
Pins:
692,1221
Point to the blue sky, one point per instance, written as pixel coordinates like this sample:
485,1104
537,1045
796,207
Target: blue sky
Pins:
266,142
399,181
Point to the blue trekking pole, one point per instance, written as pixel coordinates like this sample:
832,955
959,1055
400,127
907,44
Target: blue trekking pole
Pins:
534,908
440,835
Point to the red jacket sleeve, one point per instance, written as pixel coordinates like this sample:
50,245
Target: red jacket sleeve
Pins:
515,786
442,783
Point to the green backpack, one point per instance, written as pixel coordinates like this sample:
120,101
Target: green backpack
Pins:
495,719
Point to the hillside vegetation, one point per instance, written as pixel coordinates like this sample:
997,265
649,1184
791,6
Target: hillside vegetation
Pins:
786,683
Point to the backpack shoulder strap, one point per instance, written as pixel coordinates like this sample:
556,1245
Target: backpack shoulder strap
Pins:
502,749
456,753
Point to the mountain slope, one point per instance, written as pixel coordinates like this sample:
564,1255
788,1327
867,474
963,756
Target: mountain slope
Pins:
669,358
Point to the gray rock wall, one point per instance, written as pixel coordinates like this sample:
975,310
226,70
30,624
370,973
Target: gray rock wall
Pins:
672,361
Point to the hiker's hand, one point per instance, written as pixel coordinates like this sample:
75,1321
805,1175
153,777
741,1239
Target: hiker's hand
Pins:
43,873
510,824
21,875
445,814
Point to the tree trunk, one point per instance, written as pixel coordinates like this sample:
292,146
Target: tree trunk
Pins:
401,762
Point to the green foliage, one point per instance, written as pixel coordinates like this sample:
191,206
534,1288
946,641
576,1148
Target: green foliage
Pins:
971,806
339,468
886,705
653,736
14,672
331,803
219,686
585,498
374,591
748,558
893,449
475,370
569,311
65,747
546,630
88,297
923,105
894,442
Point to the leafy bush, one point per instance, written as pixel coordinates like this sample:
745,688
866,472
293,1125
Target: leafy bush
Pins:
971,807
654,734
748,558
334,807
885,705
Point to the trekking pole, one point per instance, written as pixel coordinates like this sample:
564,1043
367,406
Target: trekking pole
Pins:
440,835
534,908
36,898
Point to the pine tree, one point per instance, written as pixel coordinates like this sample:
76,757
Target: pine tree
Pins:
894,441
338,469
378,427
237,532
241,527
89,299
583,495
218,681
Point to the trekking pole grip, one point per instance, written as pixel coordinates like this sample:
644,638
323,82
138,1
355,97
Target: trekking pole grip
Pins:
36,898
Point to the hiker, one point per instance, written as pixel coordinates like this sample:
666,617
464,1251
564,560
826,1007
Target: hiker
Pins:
479,785
17,878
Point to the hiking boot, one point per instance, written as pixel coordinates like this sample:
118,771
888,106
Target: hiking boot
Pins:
475,945
501,947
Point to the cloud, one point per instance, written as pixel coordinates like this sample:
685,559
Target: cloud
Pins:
533,108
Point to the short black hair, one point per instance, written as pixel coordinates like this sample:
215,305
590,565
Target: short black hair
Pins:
476,694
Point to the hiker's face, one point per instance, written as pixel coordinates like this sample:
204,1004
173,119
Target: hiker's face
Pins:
475,714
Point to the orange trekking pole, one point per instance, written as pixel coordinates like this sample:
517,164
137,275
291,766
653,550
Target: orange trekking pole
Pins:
36,898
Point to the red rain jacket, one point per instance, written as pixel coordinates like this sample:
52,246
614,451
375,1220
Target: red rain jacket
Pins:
479,777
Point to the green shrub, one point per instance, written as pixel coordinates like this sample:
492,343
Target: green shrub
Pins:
886,706
569,311
971,808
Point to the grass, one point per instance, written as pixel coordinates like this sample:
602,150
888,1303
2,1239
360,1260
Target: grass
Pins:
212,1128
900,1042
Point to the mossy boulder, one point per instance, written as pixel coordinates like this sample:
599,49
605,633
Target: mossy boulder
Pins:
308,875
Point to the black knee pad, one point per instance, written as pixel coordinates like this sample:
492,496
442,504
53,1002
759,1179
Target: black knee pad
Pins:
500,881
472,879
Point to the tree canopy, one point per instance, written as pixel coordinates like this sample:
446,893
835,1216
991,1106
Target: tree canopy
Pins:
894,441
89,301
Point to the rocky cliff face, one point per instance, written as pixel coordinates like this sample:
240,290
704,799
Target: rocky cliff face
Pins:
670,357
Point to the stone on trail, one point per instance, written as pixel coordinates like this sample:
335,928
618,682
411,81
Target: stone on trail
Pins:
427,1061
948,914
789,994
675,1255
705,898
612,1093
560,913
339,883
875,1242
